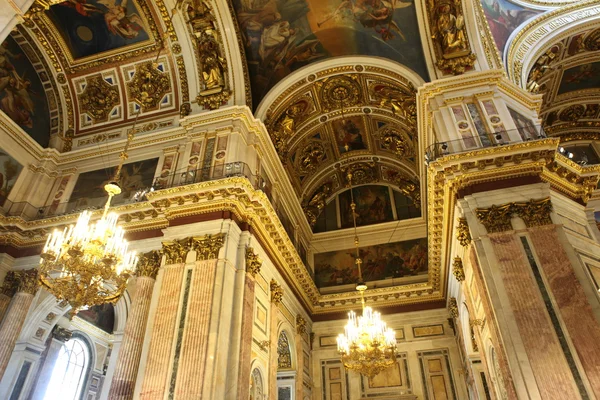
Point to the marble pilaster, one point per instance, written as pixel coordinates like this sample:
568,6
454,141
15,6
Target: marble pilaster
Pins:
245,358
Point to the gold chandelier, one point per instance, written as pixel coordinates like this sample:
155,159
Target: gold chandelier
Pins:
367,346
89,263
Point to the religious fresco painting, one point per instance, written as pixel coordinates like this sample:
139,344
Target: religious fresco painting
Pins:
383,261
373,206
89,188
9,172
581,77
282,36
90,27
349,132
504,17
101,316
22,96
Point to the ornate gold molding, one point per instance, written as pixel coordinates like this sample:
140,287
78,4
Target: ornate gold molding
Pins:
458,270
462,232
28,281
533,213
300,325
148,86
207,247
453,307
149,264
253,262
276,292
98,98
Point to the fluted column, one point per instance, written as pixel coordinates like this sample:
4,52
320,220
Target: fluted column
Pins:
128,361
253,264
9,287
276,296
16,314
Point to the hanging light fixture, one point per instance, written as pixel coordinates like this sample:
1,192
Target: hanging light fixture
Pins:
88,264
367,346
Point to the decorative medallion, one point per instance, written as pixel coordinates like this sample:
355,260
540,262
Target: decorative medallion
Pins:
310,157
361,172
148,86
339,91
98,98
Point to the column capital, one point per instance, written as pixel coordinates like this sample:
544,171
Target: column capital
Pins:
300,325
533,213
276,292
463,235
149,264
458,270
28,281
10,284
453,307
253,262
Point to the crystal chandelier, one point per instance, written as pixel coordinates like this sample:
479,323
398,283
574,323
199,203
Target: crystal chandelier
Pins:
367,346
89,264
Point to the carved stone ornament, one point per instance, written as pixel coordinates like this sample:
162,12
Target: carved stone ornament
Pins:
61,334
175,251
253,262
28,281
148,86
395,142
300,325
11,283
98,98
276,292
462,232
533,213
458,270
317,203
149,264
212,66
451,43
207,247
453,307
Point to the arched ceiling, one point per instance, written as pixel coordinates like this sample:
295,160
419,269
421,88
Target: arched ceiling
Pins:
347,115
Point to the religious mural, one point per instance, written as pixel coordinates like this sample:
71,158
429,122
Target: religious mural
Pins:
504,17
89,188
390,260
9,172
581,77
22,96
282,36
101,316
373,206
90,27
349,132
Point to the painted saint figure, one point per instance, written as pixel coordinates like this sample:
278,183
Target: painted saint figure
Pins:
449,31
119,22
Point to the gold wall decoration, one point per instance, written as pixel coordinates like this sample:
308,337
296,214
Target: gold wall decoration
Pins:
401,101
207,247
264,345
98,98
458,270
10,284
148,86
317,203
175,251
339,91
300,325
449,34
212,66
253,262
285,128
183,83
276,292
396,142
149,264
453,307
462,232
311,155
361,172
533,213
28,281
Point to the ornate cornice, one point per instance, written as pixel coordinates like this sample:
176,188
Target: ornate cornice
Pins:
498,218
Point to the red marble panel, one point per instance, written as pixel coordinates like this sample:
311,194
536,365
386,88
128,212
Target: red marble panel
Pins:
246,338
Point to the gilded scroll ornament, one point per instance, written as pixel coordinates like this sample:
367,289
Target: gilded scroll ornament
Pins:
207,247
10,284
533,213
253,262
300,325
395,142
462,232
148,86
149,264
311,156
212,65
28,281
458,270
453,53
317,203
176,251
453,307
402,102
98,98
276,292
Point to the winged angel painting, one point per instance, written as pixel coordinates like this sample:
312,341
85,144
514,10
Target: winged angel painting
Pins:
284,35
93,26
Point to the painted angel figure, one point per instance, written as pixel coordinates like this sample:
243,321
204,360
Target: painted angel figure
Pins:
119,22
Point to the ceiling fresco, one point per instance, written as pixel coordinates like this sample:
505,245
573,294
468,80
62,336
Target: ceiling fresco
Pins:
95,26
283,36
22,94
568,76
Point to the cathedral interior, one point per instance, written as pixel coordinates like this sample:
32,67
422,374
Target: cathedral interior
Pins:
270,157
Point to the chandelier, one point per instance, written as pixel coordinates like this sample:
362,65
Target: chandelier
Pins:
88,264
367,346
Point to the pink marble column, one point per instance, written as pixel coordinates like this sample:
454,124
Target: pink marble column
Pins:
571,300
246,338
128,362
16,314
298,345
535,327
9,287
276,296
4,303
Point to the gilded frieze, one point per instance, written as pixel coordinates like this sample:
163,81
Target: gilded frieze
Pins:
498,218
148,86
458,269
98,98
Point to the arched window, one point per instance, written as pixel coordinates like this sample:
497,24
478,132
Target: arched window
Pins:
284,360
69,372
256,385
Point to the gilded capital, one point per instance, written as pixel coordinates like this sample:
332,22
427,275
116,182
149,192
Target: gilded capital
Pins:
462,232
28,281
535,212
458,270
300,325
453,307
253,262
495,218
10,285
175,251
207,247
276,292
149,263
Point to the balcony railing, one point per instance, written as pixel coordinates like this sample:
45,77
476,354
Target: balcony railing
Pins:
470,143
29,212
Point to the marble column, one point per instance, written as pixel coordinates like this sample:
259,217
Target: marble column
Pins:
253,265
128,361
9,287
299,346
16,314
276,296
59,337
